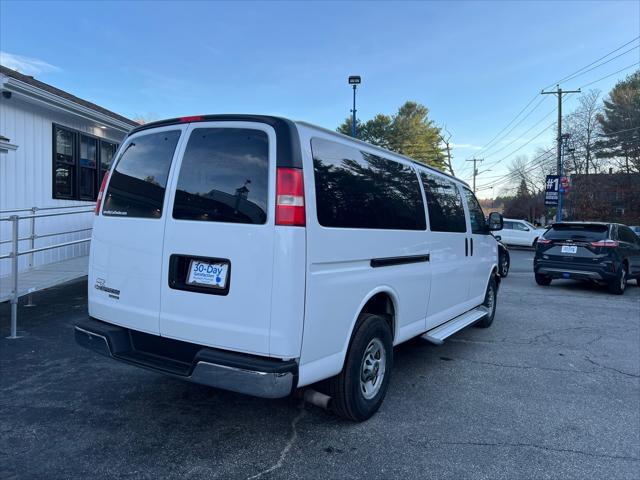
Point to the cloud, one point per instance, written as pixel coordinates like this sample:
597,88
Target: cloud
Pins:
26,65
466,145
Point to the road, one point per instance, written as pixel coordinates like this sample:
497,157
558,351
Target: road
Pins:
551,390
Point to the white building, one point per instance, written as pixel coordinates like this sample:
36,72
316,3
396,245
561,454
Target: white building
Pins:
54,149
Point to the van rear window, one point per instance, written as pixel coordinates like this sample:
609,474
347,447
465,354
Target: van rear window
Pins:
138,183
586,232
356,189
224,176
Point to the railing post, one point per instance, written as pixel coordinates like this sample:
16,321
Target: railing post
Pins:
32,235
32,245
15,219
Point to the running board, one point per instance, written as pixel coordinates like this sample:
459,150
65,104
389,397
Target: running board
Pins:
438,334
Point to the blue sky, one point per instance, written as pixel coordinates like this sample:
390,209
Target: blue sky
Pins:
474,64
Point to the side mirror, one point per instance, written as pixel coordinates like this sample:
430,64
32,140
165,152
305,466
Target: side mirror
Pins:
526,229
496,222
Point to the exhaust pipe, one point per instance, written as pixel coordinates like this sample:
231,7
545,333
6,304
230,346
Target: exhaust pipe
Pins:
316,398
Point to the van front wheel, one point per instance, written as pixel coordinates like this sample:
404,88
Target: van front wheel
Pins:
490,300
358,391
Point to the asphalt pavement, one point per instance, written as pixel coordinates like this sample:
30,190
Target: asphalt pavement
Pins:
551,390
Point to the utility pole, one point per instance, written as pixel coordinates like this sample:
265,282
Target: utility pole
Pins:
559,92
475,170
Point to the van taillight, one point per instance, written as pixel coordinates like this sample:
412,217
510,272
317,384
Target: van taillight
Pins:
290,197
543,241
101,192
605,243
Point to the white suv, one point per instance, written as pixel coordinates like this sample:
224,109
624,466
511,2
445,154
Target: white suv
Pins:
519,232
260,255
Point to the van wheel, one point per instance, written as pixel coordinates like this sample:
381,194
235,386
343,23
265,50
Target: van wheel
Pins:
620,283
490,299
543,280
358,391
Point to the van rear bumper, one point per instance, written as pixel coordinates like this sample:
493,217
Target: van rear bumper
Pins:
237,372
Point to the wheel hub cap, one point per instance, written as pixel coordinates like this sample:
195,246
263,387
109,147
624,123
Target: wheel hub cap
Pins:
373,369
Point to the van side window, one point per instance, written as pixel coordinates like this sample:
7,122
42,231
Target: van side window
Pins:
446,212
356,189
224,176
139,180
476,215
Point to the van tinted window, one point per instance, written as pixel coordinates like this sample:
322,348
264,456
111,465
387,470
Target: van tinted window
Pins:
139,180
446,212
476,215
224,176
355,189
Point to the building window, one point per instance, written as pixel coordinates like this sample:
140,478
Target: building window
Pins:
79,163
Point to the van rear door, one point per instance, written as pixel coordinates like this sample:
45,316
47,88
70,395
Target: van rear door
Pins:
126,248
219,236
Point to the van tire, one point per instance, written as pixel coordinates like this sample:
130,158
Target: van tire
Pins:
490,300
346,389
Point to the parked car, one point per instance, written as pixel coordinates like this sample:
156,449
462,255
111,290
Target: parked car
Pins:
519,232
259,255
599,252
504,260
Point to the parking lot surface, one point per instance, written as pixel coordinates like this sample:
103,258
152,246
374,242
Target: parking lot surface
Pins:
551,390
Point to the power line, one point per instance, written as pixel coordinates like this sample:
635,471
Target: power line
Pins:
592,63
601,64
610,75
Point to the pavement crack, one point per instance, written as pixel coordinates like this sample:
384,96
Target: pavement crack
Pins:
621,372
540,447
287,447
522,367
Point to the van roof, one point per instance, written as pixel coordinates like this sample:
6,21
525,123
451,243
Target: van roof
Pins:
291,156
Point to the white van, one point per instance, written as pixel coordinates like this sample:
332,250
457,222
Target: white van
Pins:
519,232
260,255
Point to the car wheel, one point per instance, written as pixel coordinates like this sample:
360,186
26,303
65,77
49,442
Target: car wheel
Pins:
504,265
490,300
542,280
620,283
358,391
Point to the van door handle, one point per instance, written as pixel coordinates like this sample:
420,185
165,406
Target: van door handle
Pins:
471,240
466,247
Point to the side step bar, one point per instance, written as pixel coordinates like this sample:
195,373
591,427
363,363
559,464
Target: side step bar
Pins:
437,335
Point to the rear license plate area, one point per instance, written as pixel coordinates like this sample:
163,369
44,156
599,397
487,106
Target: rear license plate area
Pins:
209,275
569,248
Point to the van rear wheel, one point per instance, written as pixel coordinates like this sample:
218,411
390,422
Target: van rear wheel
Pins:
358,391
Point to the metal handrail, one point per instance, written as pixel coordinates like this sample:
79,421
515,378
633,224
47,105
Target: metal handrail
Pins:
15,252
26,217
35,237
38,209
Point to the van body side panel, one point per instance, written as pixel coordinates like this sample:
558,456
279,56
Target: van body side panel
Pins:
287,296
340,277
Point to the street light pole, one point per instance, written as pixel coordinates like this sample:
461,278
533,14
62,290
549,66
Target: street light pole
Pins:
355,81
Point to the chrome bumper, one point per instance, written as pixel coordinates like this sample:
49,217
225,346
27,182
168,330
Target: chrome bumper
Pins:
241,373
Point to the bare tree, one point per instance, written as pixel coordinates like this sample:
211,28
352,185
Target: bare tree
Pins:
447,148
585,129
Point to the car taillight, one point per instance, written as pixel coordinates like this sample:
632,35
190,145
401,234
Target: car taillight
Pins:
544,241
290,197
605,243
101,192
